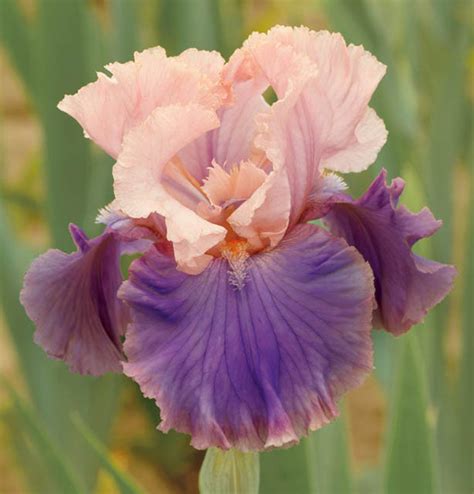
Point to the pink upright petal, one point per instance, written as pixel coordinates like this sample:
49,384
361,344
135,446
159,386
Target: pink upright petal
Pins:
292,132
263,218
140,173
362,148
347,76
108,108
232,142
234,186
321,118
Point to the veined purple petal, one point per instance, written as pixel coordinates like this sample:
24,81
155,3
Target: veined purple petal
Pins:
72,299
407,285
256,366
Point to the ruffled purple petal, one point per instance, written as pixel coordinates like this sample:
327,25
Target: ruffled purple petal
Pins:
254,364
407,285
72,299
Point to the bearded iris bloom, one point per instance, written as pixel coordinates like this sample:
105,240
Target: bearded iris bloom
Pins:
241,319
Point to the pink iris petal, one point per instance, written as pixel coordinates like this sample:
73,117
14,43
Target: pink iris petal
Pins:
238,184
254,366
290,134
407,285
347,77
110,107
321,119
263,218
72,299
141,170
232,141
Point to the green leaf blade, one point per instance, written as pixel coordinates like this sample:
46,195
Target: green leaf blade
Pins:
410,465
329,466
124,482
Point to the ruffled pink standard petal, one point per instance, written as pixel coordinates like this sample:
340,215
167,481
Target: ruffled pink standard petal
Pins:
263,218
236,185
407,286
141,171
232,142
322,118
347,77
291,133
72,299
257,365
108,108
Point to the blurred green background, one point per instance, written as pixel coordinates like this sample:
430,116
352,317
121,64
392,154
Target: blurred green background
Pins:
409,428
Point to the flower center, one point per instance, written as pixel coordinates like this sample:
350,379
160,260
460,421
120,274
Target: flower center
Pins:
216,198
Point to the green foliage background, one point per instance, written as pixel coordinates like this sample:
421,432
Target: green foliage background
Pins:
63,433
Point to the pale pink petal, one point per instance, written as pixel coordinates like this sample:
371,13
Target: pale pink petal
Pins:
292,133
217,185
263,218
108,108
209,63
246,179
236,185
369,137
232,142
139,175
322,117
347,76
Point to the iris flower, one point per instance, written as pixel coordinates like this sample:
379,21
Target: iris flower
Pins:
243,320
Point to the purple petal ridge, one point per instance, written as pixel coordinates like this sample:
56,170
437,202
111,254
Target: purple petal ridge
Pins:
72,299
407,285
258,366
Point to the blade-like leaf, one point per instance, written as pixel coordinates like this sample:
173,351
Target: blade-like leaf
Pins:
385,353
15,36
194,25
319,464
285,470
328,459
61,67
410,464
56,471
124,482
124,29
465,448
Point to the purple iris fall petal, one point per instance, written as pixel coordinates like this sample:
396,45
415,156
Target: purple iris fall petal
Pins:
72,299
259,363
407,285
